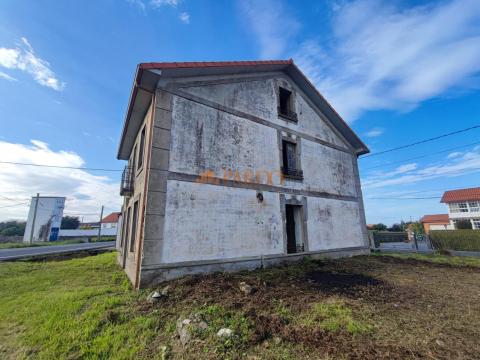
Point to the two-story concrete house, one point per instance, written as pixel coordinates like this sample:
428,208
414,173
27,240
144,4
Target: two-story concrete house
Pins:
463,204
234,165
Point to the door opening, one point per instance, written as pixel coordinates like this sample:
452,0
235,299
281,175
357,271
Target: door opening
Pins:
293,214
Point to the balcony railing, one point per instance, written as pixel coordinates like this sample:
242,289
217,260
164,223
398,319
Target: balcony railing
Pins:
287,114
292,173
126,185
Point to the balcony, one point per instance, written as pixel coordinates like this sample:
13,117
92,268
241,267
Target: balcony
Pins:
292,173
126,185
287,114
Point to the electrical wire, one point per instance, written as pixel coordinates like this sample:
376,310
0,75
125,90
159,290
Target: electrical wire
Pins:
25,203
422,156
420,142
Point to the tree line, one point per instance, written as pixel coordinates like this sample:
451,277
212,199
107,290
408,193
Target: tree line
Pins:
17,228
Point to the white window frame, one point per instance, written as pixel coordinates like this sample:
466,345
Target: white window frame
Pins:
458,207
474,206
476,223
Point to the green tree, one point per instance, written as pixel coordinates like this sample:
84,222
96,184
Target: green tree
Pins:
379,227
12,228
396,227
70,222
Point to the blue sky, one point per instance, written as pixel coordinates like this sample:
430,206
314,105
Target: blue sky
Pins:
397,71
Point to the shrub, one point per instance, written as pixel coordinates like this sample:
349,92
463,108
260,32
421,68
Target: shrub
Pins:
468,240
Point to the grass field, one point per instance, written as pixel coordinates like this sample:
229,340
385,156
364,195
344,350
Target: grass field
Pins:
365,307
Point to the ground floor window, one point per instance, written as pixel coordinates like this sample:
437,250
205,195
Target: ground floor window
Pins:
476,223
134,226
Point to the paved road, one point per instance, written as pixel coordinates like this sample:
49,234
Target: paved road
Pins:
12,254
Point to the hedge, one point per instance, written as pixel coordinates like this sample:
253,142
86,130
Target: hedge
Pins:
467,240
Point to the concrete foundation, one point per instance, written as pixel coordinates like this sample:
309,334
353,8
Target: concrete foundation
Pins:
152,276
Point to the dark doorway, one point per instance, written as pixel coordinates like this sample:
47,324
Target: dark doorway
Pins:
291,238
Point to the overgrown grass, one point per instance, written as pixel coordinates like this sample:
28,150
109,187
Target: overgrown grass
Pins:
217,317
464,239
334,315
437,258
86,308
79,308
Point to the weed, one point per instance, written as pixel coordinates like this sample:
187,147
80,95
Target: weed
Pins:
334,316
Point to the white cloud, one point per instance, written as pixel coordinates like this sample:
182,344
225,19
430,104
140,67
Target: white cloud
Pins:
271,24
454,154
184,17
465,163
380,56
23,58
374,132
159,3
85,192
6,76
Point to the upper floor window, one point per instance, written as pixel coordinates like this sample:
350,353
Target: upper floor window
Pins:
285,104
458,207
133,159
474,206
141,149
134,227
291,160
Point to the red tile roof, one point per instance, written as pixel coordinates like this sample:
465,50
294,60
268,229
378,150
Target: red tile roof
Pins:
200,64
112,218
461,195
435,219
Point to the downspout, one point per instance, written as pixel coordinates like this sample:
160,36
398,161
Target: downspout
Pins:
145,188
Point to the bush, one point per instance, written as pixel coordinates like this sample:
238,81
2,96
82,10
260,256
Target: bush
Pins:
468,240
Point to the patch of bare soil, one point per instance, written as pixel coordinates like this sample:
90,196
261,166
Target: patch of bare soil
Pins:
415,310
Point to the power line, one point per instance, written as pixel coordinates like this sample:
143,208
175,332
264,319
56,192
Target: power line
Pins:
58,166
421,141
422,156
25,203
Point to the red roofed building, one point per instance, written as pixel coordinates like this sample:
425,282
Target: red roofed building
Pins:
110,221
463,204
435,222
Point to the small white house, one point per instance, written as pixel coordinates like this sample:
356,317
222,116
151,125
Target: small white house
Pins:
110,221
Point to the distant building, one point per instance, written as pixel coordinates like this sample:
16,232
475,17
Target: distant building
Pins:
89,225
436,222
45,218
110,221
463,204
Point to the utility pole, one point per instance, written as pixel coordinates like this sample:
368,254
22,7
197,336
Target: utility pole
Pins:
100,227
34,218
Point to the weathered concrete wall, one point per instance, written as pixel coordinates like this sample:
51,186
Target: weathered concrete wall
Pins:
130,258
333,224
205,139
157,181
207,222
231,129
258,97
